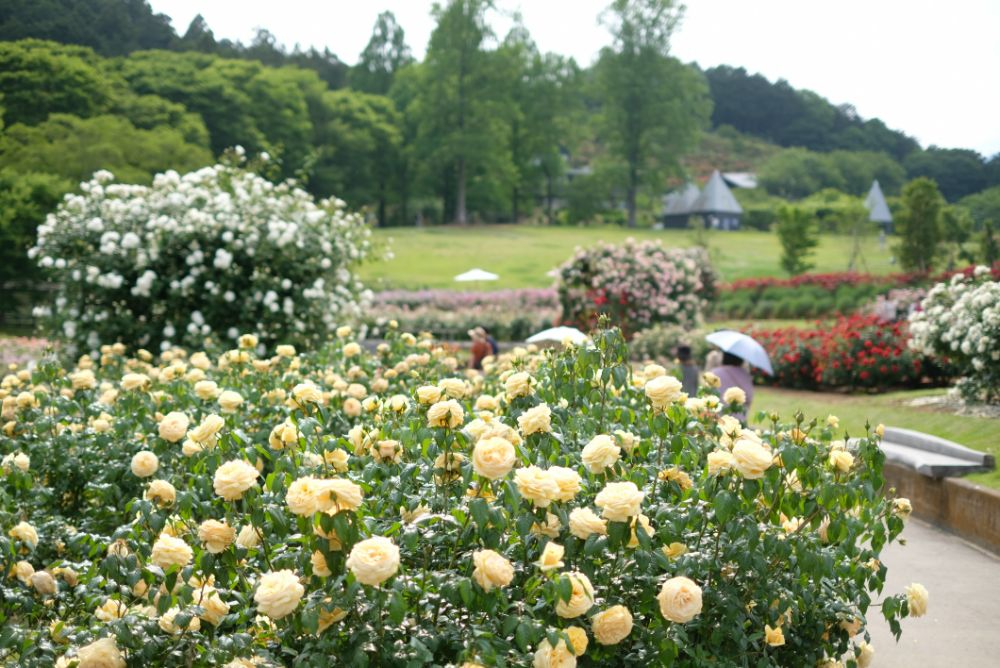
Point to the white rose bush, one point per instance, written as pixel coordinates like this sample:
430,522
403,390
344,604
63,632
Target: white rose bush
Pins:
960,321
385,508
208,254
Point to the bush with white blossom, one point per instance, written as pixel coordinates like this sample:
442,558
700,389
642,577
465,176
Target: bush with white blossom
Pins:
351,508
637,284
199,256
960,320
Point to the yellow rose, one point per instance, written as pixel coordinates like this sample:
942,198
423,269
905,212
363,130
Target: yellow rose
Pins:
651,371
173,426
166,622
169,551
319,565
626,440
600,453
83,380
751,458
25,533
347,495
229,401
304,393
619,501
43,582
212,605
720,461
774,636
902,507
551,558
428,394
399,403
491,569
206,390
374,560
569,482
663,391
916,599
278,593
486,402
493,458
453,387
285,350
234,478
518,384
135,381
674,550
734,395
581,599
101,653
23,571
161,492
304,496
352,349
207,432
328,618
111,610
352,407
612,625
284,435
445,414
191,448
547,656
536,485
583,522
537,420
144,464
865,655
577,639
680,600
359,439
22,462
880,430
387,451
216,536
841,460
248,537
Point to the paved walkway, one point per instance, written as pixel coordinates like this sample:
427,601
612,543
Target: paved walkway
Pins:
962,624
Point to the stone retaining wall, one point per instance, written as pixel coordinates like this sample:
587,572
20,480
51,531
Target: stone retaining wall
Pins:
968,510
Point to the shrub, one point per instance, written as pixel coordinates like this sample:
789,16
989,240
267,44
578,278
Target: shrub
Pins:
960,321
638,284
207,254
338,512
659,343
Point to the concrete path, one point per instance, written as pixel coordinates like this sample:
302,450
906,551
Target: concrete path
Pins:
962,624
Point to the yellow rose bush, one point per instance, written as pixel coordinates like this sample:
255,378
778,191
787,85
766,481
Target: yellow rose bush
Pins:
384,508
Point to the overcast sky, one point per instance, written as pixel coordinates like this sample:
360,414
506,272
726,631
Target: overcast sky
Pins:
930,69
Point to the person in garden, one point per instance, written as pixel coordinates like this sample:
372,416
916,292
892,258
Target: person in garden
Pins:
690,373
494,346
480,348
735,383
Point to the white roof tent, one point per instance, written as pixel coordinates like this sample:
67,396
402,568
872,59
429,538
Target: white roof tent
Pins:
878,209
715,204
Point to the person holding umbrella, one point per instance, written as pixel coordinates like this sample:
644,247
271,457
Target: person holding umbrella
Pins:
738,349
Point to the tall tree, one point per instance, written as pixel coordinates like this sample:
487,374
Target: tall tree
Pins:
385,54
797,234
653,106
919,224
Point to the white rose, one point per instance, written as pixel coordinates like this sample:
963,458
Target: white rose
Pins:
600,453
680,600
491,569
144,464
373,561
493,458
278,593
751,458
619,501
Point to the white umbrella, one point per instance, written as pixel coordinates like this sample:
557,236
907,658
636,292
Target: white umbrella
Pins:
559,334
741,345
476,275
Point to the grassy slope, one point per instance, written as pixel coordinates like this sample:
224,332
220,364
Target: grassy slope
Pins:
429,257
889,409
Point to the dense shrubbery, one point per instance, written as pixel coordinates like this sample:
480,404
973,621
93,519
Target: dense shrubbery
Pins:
195,256
659,343
509,315
960,321
637,284
379,509
855,352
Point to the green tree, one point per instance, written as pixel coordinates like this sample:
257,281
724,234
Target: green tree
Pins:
40,78
384,55
462,110
25,199
798,236
958,172
919,225
983,205
989,244
74,148
652,105
797,172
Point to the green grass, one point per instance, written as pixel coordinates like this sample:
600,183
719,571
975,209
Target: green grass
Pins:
891,410
776,323
430,257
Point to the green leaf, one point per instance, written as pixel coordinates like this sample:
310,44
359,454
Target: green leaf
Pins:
725,504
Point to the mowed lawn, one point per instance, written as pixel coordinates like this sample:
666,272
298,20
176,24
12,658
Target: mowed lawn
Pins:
891,410
522,255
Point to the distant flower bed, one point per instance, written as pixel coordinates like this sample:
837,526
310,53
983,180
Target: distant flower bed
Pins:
856,352
21,349
509,315
636,284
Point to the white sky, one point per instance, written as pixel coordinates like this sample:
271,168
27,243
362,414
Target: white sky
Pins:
930,69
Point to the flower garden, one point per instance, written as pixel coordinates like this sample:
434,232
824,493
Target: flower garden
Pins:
275,506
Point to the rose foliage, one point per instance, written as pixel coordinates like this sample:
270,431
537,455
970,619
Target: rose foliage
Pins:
637,284
960,321
347,508
208,254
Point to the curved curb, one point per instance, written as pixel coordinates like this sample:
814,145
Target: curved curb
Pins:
964,508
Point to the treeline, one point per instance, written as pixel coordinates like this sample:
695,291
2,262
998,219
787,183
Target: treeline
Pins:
485,128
